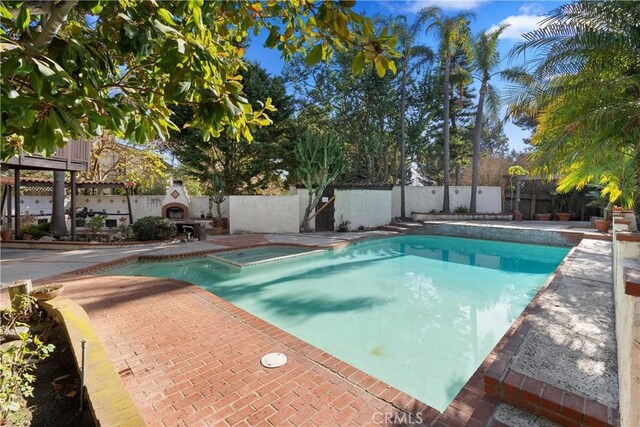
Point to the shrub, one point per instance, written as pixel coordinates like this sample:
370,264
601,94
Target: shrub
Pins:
461,209
94,225
37,230
17,360
154,228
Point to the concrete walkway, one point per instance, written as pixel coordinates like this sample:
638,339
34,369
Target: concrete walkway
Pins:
571,344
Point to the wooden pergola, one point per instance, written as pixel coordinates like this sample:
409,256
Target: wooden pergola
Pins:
74,186
73,157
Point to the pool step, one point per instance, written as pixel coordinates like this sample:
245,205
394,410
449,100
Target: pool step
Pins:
400,227
392,228
543,400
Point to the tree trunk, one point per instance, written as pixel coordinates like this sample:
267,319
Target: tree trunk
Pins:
458,174
314,198
58,224
477,134
403,154
445,136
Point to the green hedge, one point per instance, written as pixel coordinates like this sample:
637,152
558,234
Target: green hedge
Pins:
154,228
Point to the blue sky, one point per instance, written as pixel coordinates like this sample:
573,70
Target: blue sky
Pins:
522,16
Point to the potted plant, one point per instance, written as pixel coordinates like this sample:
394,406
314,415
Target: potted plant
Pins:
6,231
344,225
603,223
560,204
542,216
47,292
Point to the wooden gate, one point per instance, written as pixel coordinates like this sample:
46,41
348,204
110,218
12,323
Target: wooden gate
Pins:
325,220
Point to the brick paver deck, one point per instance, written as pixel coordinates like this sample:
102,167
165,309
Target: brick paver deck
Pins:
190,358
186,360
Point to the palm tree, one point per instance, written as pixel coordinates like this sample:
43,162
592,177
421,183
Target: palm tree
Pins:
454,36
486,59
584,94
413,57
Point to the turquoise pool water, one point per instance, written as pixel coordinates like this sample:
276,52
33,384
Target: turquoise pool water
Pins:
418,312
248,256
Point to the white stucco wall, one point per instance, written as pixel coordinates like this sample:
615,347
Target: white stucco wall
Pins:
201,203
264,214
427,199
34,205
367,208
627,310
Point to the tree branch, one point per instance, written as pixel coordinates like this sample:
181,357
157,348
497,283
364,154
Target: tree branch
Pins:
53,25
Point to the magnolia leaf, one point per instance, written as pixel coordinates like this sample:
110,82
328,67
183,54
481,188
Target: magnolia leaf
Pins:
4,12
379,67
24,17
166,16
164,28
358,63
315,55
44,68
392,66
36,83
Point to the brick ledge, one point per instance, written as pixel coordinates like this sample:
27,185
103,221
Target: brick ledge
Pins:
111,404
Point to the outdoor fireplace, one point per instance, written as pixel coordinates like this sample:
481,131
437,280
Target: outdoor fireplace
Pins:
176,202
175,212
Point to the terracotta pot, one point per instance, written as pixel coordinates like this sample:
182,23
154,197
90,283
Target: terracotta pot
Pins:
218,230
602,225
563,216
518,216
45,293
6,234
543,217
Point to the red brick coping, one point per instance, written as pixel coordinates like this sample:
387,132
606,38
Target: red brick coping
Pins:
632,281
537,397
474,405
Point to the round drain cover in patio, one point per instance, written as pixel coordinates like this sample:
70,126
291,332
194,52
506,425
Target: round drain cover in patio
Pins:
273,360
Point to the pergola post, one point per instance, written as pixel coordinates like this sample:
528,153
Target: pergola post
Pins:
72,184
126,189
9,203
16,196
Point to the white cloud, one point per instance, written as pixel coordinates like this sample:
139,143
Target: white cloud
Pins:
531,9
519,25
416,6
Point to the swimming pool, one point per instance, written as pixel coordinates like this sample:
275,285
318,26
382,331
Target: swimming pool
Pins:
418,312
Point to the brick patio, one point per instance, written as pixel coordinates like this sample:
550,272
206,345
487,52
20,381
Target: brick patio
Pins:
188,357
